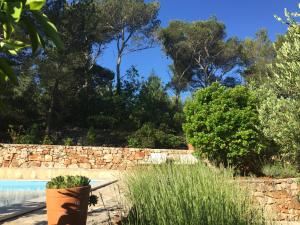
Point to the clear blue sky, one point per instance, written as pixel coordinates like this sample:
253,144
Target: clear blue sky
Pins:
241,17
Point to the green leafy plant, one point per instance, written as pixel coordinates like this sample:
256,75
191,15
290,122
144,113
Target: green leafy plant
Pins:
280,170
68,141
28,136
61,182
150,137
279,110
47,140
188,194
91,136
221,123
24,15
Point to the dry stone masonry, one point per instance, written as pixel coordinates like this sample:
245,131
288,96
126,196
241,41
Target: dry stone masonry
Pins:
55,156
277,196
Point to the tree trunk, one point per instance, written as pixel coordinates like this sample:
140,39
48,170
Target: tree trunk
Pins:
50,110
118,70
177,96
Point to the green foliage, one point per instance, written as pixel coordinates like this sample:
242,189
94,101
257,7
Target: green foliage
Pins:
150,137
133,23
68,141
47,140
25,16
222,124
290,17
280,100
194,194
280,170
279,121
191,47
143,138
29,136
91,136
62,182
256,54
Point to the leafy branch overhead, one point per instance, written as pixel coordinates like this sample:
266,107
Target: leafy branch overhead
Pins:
25,17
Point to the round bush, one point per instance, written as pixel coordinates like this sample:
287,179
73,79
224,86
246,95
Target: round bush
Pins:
221,123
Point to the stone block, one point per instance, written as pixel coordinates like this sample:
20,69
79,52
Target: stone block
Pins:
157,158
139,155
34,157
73,166
294,186
108,157
85,165
48,158
35,164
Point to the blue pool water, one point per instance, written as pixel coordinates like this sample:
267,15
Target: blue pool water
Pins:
15,185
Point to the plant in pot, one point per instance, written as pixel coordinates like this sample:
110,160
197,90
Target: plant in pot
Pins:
67,200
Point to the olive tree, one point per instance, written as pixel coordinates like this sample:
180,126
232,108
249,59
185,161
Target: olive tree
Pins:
279,108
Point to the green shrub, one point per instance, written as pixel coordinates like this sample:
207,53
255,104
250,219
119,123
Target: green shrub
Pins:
150,137
143,138
28,136
91,136
188,194
68,141
221,123
280,170
279,110
61,182
47,140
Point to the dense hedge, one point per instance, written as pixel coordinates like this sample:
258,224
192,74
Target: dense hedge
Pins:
222,124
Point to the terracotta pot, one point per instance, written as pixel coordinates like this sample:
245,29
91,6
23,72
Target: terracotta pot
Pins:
190,147
67,206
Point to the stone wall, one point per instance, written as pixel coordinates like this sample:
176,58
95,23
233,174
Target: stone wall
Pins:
277,196
55,156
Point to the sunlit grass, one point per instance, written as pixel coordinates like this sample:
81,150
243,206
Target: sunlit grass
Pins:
190,194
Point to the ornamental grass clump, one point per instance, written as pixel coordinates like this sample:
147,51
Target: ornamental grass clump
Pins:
188,194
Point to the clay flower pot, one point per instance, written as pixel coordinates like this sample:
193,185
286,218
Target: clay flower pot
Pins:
190,147
67,206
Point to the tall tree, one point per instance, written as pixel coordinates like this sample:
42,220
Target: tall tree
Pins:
201,49
214,55
175,46
70,77
256,54
134,23
179,81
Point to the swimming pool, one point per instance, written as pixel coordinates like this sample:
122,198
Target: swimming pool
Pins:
22,185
